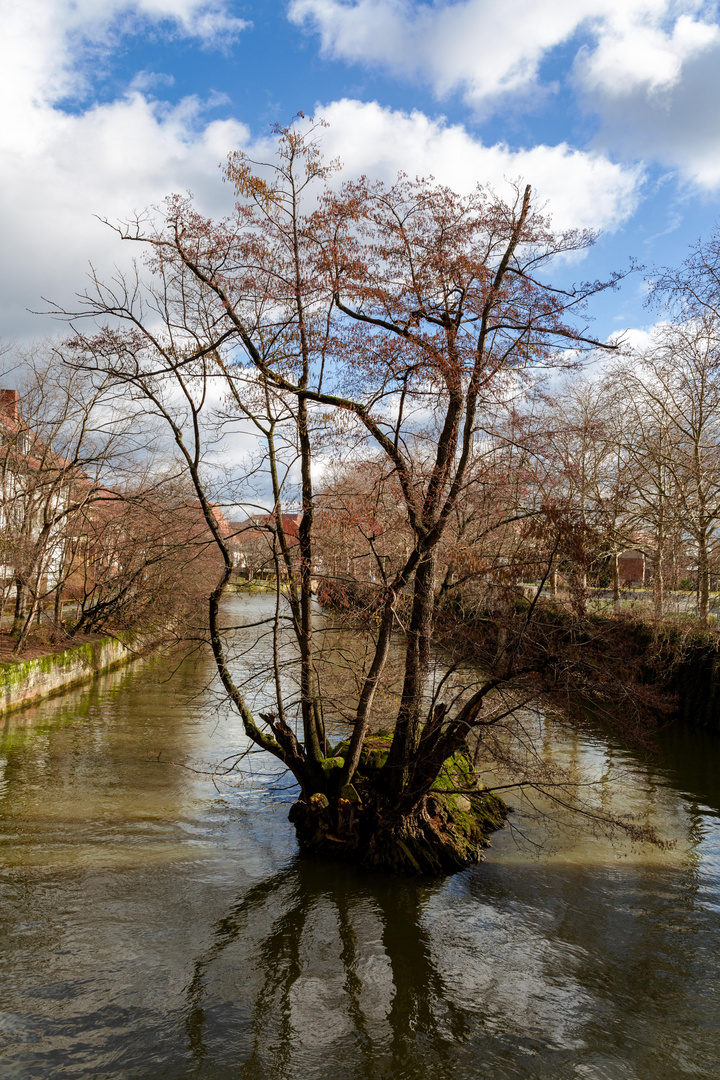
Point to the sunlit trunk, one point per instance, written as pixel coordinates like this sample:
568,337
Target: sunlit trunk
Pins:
659,585
57,614
31,613
615,565
704,581
417,654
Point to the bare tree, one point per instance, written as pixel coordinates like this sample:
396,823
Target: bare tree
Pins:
61,435
644,432
399,316
585,471
676,438
88,514
141,557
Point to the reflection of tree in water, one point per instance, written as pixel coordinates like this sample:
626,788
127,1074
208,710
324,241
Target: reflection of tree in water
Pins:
321,973
514,970
336,979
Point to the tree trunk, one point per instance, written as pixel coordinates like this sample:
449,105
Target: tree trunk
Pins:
4,596
659,584
703,581
443,832
407,728
578,593
57,615
20,605
22,635
616,581
313,727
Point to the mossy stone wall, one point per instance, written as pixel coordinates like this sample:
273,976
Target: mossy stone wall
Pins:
25,681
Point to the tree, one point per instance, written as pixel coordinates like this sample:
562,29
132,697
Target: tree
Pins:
88,515
643,433
400,321
585,468
676,438
59,437
141,556
693,288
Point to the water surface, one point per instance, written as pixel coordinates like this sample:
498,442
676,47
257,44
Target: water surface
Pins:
152,926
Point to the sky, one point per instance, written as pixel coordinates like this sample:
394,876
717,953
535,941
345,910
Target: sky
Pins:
609,108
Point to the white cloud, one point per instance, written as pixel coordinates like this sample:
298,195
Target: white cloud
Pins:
634,60
632,53
637,338
583,190
107,161
59,168
665,111
47,45
486,49
483,48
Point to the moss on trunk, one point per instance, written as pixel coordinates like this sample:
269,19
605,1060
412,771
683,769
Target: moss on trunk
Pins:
443,832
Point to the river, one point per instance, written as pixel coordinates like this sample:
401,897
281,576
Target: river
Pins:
155,926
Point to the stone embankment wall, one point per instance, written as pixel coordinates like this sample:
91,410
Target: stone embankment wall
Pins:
26,681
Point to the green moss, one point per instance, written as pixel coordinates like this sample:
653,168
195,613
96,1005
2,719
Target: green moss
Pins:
375,752
473,814
442,832
330,764
340,750
87,658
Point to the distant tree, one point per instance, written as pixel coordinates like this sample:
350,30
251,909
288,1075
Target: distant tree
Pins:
59,436
645,436
692,289
142,557
585,472
675,439
86,515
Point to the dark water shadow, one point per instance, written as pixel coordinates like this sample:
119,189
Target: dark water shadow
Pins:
339,980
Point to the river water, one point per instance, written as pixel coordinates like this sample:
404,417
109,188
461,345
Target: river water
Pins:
153,926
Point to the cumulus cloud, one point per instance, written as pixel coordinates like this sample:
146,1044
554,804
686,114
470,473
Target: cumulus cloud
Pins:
486,49
634,56
632,52
47,46
677,125
107,161
58,168
655,85
482,48
583,190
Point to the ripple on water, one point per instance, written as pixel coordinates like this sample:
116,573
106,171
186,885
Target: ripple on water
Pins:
153,928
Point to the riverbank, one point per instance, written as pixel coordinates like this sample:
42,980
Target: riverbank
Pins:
677,660
49,671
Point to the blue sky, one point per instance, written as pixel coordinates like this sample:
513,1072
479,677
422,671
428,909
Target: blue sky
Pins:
608,107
